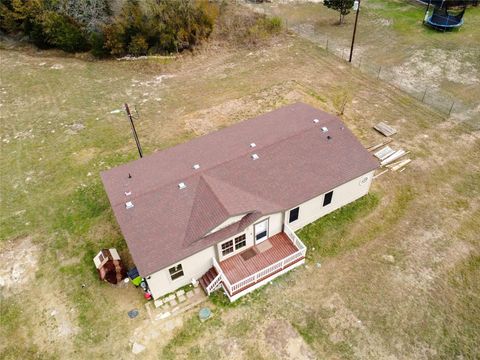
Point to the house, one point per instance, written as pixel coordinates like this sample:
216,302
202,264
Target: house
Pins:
223,208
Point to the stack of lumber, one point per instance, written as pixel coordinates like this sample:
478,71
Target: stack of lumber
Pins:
384,129
393,156
399,165
377,146
384,153
388,157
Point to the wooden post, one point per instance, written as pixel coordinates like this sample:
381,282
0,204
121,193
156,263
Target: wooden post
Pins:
379,71
425,93
451,108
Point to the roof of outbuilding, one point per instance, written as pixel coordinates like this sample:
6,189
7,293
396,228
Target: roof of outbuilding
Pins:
297,161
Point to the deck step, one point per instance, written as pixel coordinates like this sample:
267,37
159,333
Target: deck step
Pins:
207,278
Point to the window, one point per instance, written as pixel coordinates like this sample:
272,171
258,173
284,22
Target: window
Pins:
227,247
327,198
176,271
240,242
293,215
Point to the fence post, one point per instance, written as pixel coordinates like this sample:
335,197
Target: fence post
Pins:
425,93
451,108
327,45
379,71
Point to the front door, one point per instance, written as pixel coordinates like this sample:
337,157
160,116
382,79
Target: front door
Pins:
261,231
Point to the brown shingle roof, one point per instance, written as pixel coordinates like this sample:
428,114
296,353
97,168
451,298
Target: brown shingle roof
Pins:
296,163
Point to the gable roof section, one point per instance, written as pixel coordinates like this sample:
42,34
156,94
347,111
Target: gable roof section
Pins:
296,163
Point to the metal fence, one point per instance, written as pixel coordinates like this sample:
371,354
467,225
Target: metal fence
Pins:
429,95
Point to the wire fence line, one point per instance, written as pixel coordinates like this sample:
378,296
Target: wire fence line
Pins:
428,94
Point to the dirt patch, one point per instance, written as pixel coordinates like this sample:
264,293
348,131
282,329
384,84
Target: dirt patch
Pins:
19,259
433,66
345,325
205,121
285,342
84,156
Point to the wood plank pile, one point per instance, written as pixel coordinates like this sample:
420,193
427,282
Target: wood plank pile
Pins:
384,129
390,159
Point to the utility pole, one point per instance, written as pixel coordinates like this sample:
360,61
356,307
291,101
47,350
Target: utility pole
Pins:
356,6
134,131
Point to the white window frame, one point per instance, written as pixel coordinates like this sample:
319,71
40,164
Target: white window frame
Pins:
176,272
231,248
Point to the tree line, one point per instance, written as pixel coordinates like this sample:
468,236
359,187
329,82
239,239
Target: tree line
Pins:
137,28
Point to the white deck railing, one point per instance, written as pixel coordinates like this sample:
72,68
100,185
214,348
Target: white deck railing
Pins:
279,265
213,285
295,239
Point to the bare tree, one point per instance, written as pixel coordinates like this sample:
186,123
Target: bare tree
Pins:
90,13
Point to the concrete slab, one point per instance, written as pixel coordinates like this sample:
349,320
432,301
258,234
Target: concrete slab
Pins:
158,303
169,298
180,293
196,290
163,315
182,298
189,294
173,302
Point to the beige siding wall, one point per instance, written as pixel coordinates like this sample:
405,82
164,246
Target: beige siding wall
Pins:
160,283
275,223
196,265
313,209
227,222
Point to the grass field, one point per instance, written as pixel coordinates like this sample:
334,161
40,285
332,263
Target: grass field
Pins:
394,275
439,67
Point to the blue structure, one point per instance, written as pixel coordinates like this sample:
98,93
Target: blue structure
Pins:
446,14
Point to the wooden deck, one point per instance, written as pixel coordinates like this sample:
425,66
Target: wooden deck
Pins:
236,268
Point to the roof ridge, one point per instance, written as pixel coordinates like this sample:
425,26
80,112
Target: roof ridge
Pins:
202,171
241,190
201,181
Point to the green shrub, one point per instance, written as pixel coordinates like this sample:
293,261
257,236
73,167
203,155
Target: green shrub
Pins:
63,32
138,46
273,25
139,28
114,42
97,44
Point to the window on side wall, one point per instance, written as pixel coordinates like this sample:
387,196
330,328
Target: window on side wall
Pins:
176,271
293,215
240,242
227,247
327,198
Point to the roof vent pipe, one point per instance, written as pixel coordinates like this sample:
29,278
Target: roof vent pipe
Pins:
182,185
252,145
324,129
196,166
316,121
329,137
128,205
255,156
